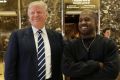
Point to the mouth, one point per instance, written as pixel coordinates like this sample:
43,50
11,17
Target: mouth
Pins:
84,28
37,19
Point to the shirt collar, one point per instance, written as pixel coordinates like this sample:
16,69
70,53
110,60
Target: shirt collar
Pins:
35,30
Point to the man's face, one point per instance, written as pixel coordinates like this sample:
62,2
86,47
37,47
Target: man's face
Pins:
37,16
107,33
87,24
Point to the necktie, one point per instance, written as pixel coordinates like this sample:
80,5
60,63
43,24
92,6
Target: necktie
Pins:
41,57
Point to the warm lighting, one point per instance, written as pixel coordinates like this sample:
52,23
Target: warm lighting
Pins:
3,1
73,12
8,13
81,1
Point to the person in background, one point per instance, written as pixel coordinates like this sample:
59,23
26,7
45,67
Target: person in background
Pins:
1,49
91,57
34,53
1,45
107,32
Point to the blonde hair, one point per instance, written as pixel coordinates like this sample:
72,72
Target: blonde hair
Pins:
38,3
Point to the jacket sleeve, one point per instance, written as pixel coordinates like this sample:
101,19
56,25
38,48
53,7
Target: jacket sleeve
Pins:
72,68
11,58
110,63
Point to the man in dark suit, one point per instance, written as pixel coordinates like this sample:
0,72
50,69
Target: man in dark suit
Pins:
91,57
21,60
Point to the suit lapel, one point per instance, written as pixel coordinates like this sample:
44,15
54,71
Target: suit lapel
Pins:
51,40
30,44
29,40
52,45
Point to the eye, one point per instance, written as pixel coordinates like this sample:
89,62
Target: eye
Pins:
80,20
32,13
87,19
39,12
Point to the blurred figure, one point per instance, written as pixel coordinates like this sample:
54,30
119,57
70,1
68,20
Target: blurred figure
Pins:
1,45
34,53
71,32
91,57
107,32
1,48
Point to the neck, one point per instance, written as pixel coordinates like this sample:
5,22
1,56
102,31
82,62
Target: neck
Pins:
39,27
88,41
88,36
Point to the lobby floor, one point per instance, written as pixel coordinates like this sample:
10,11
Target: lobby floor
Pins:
1,70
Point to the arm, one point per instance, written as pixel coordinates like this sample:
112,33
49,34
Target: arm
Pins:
110,65
76,69
11,59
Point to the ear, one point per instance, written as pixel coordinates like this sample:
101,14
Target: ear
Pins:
96,23
47,14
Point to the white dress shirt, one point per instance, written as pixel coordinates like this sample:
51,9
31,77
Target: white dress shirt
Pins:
47,49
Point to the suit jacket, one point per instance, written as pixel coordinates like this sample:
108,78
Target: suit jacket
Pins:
21,55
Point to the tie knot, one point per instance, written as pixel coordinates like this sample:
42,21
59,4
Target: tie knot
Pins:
39,31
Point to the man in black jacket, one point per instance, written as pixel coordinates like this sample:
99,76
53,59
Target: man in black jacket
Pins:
91,57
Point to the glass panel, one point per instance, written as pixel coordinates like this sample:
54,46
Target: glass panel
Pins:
110,18
8,23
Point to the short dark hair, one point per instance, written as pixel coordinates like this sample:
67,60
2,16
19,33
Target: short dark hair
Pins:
105,29
93,13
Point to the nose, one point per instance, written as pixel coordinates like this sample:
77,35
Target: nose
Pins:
36,14
83,22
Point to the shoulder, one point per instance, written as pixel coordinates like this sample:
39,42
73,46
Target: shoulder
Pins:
21,33
23,30
106,42
49,31
73,43
53,33
100,38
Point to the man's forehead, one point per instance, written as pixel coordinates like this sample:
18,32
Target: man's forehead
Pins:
87,11
84,15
